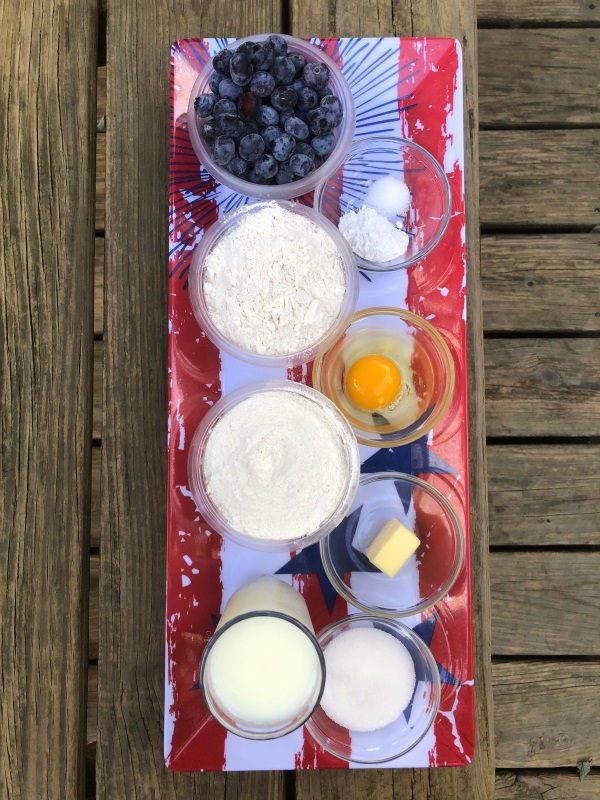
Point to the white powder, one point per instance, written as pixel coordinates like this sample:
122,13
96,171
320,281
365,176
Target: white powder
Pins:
275,466
388,195
370,679
373,236
275,284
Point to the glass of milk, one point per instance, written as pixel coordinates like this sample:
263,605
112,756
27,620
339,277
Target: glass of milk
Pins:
262,674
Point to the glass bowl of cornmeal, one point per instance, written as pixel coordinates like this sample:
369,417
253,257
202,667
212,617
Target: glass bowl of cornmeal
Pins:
400,548
391,374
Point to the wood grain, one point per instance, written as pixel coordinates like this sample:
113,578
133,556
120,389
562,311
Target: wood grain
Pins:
532,12
546,713
541,283
100,182
540,178
539,78
131,660
542,387
563,785
418,18
47,110
540,495
99,286
545,603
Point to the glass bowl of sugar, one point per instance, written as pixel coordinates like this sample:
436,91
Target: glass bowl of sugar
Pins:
391,201
273,283
382,690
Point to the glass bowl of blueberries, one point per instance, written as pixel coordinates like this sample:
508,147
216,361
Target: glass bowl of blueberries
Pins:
271,116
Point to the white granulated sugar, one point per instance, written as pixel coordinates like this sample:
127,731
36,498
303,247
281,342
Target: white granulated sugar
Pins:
275,284
370,679
275,466
388,195
373,236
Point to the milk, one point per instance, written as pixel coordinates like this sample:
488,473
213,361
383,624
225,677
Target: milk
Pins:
263,672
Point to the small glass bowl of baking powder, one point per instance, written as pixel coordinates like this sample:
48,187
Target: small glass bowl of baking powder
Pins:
274,466
410,727
225,226
372,167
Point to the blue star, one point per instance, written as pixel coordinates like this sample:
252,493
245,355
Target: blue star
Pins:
425,630
308,562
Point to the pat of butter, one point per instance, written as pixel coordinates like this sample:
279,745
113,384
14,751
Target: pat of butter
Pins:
392,547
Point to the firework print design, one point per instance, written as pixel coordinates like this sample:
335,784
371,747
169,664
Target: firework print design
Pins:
403,87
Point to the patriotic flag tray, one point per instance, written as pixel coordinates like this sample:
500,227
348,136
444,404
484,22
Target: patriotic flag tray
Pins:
401,87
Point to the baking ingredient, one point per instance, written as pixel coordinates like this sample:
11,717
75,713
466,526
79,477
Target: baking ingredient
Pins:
373,382
267,593
275,284
370,679
372,236
388,195
392,547
275,466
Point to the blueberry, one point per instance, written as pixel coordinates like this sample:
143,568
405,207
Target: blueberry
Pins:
223,150
283,147
279,44
262,56
240,69
316,75
252,126
248,106
332,104
307,99
247,48
209,131
269,134
224,107
321,121
264,169
238,167
284,116
262,84
300,165
324,92
203,105
283,70
323,145
284,174
297,85
230,90
251,147
229,125
299,62
221,60
214,81
302,148
296,128
284,98
303,115
267,116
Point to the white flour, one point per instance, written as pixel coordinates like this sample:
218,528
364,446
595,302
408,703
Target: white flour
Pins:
373,236
275,284
275,466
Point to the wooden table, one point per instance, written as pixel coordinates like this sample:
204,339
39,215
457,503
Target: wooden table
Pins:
84,364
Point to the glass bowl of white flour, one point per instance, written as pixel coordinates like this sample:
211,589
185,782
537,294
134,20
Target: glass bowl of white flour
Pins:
273,283
274,466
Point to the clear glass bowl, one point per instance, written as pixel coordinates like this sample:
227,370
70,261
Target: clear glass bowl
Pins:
400,736
223,227
243,728
197,478
344,133
374,157
426,577
422,356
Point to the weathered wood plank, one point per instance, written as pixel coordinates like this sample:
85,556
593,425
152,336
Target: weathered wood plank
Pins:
541,283
418,18
99,286
94,607
542,387
546,713
545,603
540,496
100,182
557,785
92,704
95,510
540,178
532,12
47,110
532,78
97,395
131,661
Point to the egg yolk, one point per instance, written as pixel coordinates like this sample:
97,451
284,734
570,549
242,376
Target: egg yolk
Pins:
373,382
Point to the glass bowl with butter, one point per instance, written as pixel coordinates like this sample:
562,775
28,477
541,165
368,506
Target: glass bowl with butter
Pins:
400,548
